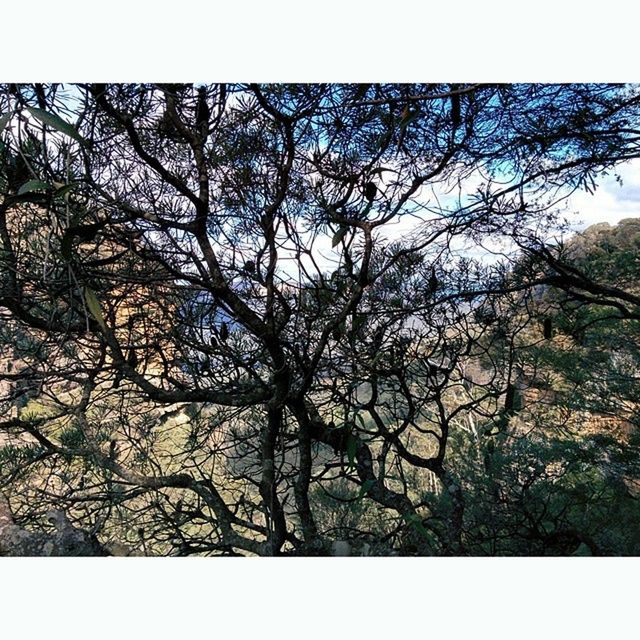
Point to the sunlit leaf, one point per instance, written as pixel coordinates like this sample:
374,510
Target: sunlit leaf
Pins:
33,185
63,190
94,307
56,122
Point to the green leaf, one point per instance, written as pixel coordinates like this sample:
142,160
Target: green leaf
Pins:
94,307
66,246
4,121
414,520
63,190
33,185
582,550
366,485
352,446
57,123
338,236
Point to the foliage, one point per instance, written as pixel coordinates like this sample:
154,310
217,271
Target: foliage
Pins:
253,315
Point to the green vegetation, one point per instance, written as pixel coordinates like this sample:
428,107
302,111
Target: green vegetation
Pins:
245,319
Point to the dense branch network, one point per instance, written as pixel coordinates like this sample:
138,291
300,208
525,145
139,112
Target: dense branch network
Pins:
234,305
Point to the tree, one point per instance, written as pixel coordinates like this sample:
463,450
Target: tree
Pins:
563,478
225,341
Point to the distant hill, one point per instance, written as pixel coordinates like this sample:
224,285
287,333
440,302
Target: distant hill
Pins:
609,254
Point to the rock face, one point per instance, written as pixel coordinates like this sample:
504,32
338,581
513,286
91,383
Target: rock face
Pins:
602,239
66,540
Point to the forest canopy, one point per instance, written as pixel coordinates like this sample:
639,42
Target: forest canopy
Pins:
314,319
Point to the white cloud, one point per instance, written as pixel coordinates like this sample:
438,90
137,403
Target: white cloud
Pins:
611,202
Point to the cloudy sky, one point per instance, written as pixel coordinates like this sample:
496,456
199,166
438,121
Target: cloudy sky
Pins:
611,201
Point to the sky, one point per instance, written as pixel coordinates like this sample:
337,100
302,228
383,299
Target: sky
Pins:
611,202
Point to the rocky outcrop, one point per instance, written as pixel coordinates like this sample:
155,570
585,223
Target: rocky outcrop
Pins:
65,540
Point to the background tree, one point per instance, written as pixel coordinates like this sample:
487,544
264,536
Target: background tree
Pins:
239,307
563,477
